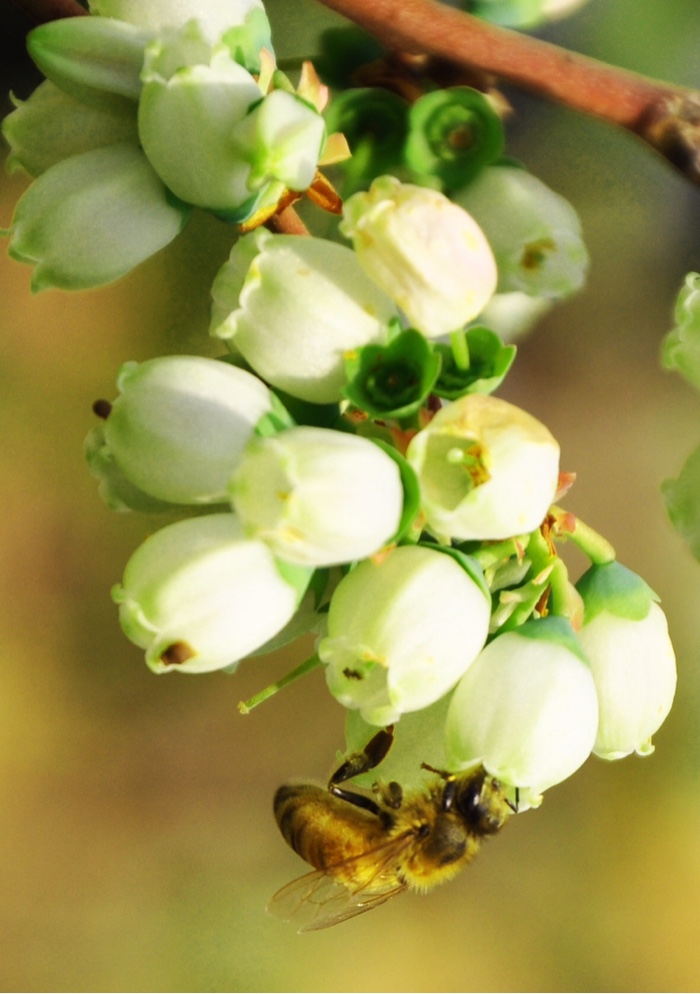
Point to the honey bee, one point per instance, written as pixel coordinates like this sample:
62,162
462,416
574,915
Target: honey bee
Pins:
368,849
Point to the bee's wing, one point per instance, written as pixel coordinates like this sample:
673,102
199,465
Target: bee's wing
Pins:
318,900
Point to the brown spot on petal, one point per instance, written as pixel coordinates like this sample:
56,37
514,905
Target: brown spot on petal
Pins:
351,674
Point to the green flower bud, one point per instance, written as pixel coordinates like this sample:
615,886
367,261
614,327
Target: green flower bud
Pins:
318,496
487,469
199,93
424,251
89,219
199,596
401,632
90,56
180,425
51,126
293,307
281,139
527,709
625,636
535,233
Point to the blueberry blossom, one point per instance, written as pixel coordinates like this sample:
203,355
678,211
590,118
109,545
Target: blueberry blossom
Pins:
402,629
318,496
180,423
293,307
424,251
487,469
534,232
199,596
625,637
526,709
199,92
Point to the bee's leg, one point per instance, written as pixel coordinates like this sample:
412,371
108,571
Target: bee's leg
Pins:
360,762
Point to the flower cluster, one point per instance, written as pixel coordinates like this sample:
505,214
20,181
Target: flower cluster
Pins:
147,112
345,470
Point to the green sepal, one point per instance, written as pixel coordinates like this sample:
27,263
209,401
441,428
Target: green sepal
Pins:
613,588
682,499
342,52
375,125
453,134
555,629
392,380
489,362
470,565
411,491
681,347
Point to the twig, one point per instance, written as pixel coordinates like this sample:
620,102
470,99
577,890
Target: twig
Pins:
665,116
41,11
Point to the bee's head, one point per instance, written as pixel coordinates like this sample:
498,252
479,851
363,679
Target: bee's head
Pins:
480,800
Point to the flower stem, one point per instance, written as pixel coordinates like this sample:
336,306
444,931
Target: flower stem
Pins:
666,116
310,664
460,349
591,542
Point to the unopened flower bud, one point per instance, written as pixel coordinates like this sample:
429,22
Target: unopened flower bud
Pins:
401,632
199,596
487,469
424,251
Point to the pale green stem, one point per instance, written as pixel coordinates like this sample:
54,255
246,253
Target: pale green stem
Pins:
310,664
460,349
597,548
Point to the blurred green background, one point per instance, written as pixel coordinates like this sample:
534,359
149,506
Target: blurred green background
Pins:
138,848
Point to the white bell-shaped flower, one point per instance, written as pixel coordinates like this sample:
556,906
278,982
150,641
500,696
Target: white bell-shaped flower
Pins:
401,632
625,636
293,307
527,709
199,596
487,469
424,251
318,496
180,424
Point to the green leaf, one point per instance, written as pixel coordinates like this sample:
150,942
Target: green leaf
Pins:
489,362
454,133
681,347
682,497
393,380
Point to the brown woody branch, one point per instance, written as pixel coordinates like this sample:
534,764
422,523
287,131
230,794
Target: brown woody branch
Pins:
41,11
665,116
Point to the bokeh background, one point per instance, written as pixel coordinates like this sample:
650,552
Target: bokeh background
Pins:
137,844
